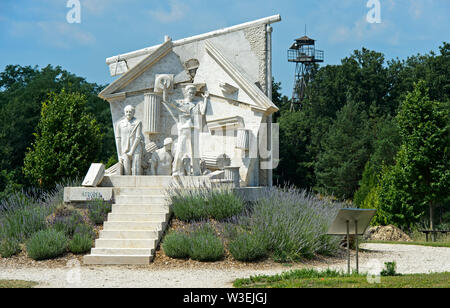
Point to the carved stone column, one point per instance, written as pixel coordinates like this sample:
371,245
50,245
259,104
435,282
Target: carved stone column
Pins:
243,139
152,110
232,173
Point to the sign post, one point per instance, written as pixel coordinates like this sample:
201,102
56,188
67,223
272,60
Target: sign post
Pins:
351,221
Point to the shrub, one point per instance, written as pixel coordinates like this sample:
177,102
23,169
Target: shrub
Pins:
177,245
205,245
199,203
189,206
66,220
389,269
67,140
23,222
46,244
85,229
16,200
9,247
81,243
224,204
292,223
247,247
98,211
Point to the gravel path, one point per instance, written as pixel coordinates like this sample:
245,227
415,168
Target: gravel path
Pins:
409,258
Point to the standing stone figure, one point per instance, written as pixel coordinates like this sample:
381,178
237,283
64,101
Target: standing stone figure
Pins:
130,143
189,126
162,159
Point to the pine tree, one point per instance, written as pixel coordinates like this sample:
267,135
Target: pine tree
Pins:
346,149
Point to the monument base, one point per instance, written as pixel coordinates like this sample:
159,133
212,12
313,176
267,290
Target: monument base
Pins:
140,213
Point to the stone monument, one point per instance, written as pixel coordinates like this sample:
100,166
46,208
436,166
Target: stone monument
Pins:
194,111
210,93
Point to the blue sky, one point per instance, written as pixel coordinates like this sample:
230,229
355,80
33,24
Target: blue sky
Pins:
36,32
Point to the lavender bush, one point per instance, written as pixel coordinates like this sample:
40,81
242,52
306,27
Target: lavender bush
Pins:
246,246
177,245
201,202
206,246
23,213
291,223
65,219
286,223
98,211
9,247
80,243
199,242
47,244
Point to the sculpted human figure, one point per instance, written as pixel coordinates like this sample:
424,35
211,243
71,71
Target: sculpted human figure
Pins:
130,143
189,125
162,159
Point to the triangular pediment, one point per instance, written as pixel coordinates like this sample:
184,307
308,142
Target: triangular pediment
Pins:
258,97
135,72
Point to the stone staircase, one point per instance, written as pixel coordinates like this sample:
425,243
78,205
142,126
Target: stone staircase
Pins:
138,219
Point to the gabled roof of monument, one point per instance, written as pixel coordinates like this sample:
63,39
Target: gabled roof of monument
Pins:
152,55
137,70
260,99
151,49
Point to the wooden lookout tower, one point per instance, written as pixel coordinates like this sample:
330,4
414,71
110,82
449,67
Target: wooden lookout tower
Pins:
304,53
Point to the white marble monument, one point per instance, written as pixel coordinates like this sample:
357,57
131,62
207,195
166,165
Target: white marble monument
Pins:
210,93
190,112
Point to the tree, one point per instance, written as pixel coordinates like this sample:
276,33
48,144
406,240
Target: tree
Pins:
68,140
386,143
22,91
421,175
368,182
346,149
294,167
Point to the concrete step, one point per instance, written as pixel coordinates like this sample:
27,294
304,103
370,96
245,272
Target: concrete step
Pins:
138,234
128,243
140,208
136,181
117,260
143,199
138,217
139,191
133,225
122,251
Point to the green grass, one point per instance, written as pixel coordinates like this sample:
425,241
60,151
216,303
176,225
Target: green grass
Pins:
333,279
430,244
17,284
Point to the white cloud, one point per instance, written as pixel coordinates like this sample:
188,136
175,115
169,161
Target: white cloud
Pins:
177,12
98,7
361,31
56,34
64,35
390,4
416,9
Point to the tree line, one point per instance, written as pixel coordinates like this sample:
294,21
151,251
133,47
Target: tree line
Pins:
375,132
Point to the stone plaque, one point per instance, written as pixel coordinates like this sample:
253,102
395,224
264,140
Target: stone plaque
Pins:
80,194
94,175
